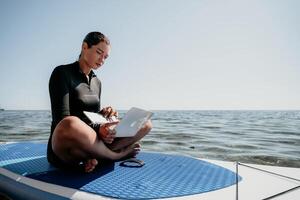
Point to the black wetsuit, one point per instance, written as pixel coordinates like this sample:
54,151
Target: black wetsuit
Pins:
71,93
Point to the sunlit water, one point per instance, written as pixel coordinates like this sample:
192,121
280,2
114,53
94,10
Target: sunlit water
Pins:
261,137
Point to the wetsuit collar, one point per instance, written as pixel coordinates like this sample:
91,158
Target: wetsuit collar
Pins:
91,74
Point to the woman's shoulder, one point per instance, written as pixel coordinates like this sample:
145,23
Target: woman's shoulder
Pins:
66,67
63,70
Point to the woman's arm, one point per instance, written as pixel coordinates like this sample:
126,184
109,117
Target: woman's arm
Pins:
59,95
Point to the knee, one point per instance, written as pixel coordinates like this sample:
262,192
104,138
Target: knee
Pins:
70,130
68,123
66,126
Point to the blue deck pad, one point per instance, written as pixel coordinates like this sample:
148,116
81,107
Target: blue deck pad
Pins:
162,175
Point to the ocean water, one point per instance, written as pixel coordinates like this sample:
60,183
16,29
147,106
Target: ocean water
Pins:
261,137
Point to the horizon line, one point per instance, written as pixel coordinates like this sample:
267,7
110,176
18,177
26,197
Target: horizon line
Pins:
297,109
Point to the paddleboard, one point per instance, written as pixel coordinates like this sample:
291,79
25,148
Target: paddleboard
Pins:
26,174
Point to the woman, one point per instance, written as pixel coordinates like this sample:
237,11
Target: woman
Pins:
75,88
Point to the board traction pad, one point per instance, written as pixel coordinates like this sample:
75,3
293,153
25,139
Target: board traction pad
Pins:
162,176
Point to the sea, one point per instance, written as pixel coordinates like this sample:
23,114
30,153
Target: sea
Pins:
247,136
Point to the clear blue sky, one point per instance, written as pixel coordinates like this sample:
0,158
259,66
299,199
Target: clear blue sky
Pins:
188,54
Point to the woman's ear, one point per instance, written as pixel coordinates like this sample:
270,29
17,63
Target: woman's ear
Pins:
84,46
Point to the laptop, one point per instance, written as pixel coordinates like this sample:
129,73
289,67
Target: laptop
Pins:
130,124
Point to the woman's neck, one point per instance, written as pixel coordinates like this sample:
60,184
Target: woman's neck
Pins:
84,67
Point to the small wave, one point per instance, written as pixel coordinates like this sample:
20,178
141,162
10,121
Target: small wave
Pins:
244,146
149,142
211,127
286,133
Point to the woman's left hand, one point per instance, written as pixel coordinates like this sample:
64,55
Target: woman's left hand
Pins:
108,112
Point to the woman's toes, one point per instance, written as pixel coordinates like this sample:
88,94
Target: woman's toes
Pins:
90,165
94,162
137,145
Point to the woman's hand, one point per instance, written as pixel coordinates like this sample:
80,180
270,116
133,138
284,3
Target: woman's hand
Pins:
108,112
107,132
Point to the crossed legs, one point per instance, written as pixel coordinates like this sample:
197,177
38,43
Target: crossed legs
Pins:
73,141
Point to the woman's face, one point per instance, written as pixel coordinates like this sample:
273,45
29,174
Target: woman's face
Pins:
95,56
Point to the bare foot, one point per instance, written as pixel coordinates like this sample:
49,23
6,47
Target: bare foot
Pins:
130,151
90,165
137,148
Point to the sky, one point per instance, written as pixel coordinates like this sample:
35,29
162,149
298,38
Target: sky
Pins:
166,54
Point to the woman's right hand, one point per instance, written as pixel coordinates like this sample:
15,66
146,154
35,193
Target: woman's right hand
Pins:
107,133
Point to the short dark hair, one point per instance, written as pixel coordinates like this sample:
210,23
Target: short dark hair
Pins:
93,38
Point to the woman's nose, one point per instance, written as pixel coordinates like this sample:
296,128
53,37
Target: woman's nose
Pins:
101,59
